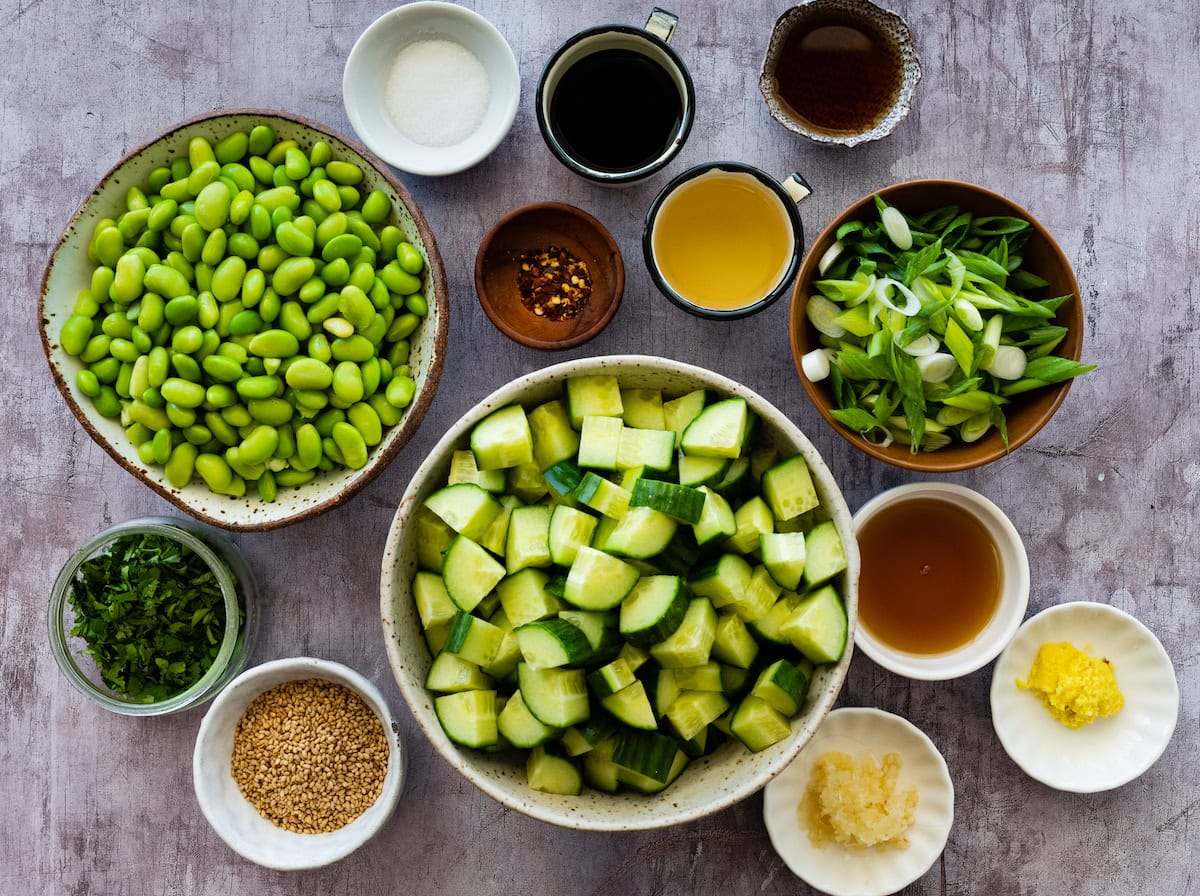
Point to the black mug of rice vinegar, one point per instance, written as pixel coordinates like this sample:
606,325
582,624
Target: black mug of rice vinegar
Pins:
615,103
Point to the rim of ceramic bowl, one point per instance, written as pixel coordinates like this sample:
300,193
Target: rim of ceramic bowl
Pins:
669,812
781,288
394,440
955,457
237,697
644,171
238,592
1011,606
517,335
351,101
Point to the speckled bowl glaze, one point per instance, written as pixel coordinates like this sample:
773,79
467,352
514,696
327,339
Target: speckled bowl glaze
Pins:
888,22
709,784
69,272
232,816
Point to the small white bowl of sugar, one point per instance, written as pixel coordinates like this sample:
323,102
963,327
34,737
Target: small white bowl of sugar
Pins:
431,88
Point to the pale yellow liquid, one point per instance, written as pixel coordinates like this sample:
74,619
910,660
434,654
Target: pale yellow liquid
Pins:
722,240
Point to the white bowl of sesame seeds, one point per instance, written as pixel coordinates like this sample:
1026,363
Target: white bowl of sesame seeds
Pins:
298,762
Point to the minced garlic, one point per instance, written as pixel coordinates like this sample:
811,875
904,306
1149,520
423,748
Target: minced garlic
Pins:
854,801
1076,688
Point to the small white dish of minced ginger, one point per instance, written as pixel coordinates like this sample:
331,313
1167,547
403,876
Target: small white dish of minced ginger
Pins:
865,808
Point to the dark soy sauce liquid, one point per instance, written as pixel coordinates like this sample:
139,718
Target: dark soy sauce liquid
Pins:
839,73
615,110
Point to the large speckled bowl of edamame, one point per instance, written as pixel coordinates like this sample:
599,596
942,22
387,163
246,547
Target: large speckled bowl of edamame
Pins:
249,313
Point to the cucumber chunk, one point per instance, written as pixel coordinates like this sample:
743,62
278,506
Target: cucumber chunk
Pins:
825,553
469,718
466,508
788,488
719,430
593,396
451,674
556,697
469,573
817,627
528,541
758,725
653,610
525,598
554,439
691,643
783,685
643,409
551,643
552,774
631,706
502,439
683,503
783,554
434,606
599,442
518,726
598,581
473,639
570,529
693,711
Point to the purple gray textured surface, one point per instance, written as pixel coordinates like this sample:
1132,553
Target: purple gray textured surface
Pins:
1081,111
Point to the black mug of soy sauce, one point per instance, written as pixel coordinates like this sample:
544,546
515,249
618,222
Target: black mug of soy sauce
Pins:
615,103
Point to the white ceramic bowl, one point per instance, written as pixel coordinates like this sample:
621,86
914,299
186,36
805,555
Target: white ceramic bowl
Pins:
1014,594
235,820
69,272
839,870
369,64
1108,752
707,785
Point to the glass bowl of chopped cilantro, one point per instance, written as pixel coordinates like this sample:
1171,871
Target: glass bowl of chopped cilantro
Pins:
152,616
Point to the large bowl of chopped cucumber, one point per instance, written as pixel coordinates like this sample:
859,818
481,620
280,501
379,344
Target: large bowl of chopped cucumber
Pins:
620,593
249,314
936,325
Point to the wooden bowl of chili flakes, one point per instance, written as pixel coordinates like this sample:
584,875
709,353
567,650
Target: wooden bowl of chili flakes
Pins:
549,276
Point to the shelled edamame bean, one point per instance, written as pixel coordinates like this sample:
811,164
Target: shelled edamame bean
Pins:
249,315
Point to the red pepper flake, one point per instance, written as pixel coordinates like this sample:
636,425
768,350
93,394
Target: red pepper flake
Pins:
553,283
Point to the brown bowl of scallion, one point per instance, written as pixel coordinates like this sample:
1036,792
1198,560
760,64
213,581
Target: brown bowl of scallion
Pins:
936,325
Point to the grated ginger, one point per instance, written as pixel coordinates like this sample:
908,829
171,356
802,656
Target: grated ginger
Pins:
854,801
1076,688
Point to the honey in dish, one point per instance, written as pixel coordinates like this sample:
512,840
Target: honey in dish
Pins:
931,576
839,73
723,240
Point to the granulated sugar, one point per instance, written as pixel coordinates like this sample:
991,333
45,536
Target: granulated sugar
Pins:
437,92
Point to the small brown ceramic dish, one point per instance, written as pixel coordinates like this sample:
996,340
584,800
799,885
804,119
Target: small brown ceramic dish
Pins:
1029,412
540,226
69,272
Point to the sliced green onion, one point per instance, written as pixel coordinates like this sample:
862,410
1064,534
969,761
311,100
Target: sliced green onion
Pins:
911,305
1008,364
936,368
972,430
969,315
831,255
896,228
815,364
822,314
919,347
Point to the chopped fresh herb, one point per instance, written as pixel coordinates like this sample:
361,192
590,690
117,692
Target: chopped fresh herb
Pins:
152,614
